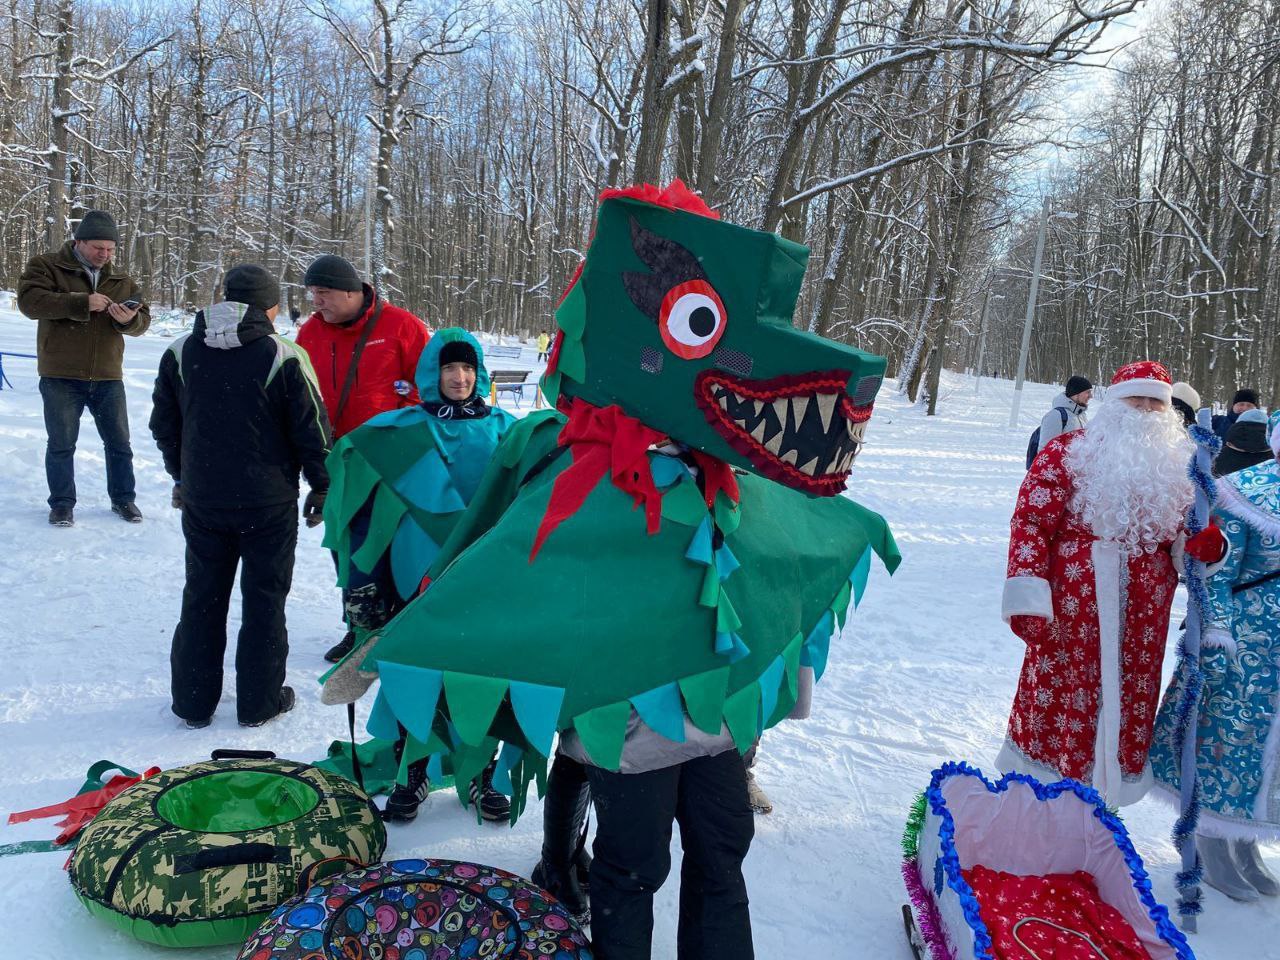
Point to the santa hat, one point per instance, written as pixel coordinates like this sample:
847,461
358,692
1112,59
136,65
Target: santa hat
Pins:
1146,378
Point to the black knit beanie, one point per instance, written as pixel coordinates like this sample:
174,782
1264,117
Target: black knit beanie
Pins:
1077,384
459,351
97,225
249,283
1245,396
332,272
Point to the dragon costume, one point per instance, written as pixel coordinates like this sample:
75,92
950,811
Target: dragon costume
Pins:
671,539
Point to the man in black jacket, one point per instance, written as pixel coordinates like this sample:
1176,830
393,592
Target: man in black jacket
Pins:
237,414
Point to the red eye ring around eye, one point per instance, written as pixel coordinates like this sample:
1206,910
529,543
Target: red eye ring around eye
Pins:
681,349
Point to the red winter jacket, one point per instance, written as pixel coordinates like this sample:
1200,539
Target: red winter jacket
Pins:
390,354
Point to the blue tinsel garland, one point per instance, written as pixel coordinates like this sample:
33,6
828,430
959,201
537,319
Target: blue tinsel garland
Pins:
1184,828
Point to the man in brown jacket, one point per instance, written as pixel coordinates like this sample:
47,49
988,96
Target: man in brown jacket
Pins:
84,307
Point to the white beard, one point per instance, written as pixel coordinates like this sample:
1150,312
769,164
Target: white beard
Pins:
1130,474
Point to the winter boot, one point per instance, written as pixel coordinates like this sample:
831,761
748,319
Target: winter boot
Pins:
341,648
286,702
62,516
491,804
562,871
759,800
1249,858
128,512
1221,872
402,805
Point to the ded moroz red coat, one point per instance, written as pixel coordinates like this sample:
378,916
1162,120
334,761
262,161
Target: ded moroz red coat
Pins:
1090,681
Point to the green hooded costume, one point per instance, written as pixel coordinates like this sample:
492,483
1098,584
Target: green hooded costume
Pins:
672,540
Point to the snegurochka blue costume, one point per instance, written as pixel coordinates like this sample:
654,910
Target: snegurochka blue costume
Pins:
1238,729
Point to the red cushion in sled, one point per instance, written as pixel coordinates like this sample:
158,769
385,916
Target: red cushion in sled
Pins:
1055,917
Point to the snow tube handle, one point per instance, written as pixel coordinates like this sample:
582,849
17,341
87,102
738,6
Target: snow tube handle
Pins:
230,753
306,876
238,855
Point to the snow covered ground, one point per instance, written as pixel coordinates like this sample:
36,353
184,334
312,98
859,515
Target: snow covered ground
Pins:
924,673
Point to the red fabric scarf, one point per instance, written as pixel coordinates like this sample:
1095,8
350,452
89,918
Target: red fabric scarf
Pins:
606,440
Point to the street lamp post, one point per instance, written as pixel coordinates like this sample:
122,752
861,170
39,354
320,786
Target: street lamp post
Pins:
1031,309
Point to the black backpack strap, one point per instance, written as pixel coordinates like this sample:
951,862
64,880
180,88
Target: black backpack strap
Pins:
1063,411
1250,584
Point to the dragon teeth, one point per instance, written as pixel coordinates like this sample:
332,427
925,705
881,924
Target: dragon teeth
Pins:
799,405
810,468
790,457
774,443
826,409
758,433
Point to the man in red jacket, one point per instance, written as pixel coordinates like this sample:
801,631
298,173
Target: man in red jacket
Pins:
351,319
365,353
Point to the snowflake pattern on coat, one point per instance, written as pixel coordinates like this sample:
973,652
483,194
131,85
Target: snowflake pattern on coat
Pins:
1054,719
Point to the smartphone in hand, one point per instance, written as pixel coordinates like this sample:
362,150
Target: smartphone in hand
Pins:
131,304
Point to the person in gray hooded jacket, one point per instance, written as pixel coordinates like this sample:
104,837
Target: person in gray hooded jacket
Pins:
1068,410
237,415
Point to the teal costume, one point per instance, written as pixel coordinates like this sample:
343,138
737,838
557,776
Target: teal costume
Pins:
1238,733
407,476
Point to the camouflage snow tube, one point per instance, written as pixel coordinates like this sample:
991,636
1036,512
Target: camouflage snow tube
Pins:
201,854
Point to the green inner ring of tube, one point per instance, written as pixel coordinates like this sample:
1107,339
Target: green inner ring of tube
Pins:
234,801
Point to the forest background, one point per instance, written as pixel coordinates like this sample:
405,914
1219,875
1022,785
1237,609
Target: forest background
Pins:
456,151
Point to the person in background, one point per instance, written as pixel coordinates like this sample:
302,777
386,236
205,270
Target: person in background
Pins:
1066,414
544,342
1246,444
1068,411
236,415
85,307
1186,400
1244,400
365,352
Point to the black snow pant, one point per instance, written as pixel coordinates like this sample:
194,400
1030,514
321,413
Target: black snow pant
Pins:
632,855
261,540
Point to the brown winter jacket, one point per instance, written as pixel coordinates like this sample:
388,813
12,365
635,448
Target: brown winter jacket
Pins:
71,342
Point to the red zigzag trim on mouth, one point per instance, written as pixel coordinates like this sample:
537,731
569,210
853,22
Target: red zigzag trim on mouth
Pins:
786,386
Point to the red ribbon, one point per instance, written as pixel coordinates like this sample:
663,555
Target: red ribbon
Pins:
82,808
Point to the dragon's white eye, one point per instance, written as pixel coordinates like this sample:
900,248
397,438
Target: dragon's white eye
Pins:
692,319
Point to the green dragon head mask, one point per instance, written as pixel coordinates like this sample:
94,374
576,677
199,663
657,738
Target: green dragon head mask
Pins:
684,322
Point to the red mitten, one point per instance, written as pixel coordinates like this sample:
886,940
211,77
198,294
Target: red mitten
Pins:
1209,545
1030,630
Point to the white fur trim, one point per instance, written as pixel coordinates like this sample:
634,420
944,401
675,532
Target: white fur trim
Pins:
1027,597
1107,775
1212,824
1229,496
1218,638
1262,802
1156,389
1011,759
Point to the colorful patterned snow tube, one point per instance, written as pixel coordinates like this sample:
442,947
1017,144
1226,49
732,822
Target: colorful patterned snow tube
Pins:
1019,826
201,854
420,910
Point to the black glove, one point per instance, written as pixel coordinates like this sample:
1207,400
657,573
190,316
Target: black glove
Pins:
175,498
313,508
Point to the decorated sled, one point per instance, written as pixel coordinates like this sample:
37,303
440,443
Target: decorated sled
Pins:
201,854
1017,868
419,910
